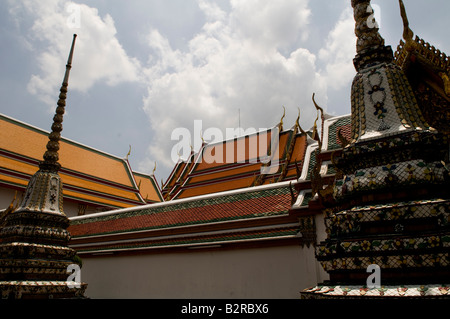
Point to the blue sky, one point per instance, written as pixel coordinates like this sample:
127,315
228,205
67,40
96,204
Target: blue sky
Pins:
141,69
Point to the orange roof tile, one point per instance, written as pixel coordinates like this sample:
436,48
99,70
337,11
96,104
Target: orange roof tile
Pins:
237,163
88,175
148,187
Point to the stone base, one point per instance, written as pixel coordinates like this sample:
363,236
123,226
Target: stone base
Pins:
41,289
348,292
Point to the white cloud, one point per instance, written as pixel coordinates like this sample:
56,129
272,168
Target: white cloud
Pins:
99,57
276,24
339,51
245,64
237,63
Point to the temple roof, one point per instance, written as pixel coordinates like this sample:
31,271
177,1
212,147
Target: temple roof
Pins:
248,213
428,71
89,175
243,215
148,187
233,164
197,210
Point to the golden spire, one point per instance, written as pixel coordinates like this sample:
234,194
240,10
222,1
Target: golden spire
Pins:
51,157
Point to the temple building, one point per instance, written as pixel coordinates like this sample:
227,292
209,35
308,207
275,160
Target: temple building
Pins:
387,210
306,214
240,239
94,181
243,161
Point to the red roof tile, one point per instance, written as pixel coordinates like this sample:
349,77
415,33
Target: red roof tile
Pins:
256,202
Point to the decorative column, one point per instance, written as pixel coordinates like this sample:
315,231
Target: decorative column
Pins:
35,260
390,208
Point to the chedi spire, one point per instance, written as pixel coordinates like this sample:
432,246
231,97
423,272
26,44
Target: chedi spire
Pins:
51,157
370,45
383,102
34,253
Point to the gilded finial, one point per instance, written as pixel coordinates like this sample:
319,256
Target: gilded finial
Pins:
407,32
129,152
319,110
298,123
51,156
201,136
281,120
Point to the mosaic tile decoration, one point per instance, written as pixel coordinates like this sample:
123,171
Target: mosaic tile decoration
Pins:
349,221
245,205
341,124
432,291
46,289
405,173
383,103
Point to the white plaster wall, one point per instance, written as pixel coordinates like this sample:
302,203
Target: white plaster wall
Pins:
274,272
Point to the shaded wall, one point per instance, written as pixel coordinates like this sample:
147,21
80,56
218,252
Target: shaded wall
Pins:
273,272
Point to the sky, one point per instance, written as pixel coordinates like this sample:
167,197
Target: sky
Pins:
143,69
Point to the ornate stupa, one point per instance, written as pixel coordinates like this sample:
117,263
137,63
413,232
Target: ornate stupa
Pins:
387,214
35,260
